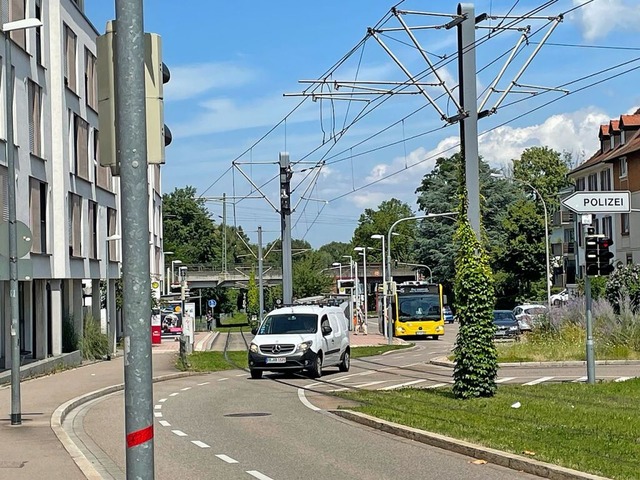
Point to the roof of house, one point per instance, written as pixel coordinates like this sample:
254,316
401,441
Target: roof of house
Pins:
614,126
632,145
604,131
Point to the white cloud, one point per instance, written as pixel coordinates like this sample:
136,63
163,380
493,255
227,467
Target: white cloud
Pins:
599,18
188,81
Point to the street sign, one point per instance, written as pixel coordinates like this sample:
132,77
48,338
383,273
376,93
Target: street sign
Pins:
599,202
23,238
212,303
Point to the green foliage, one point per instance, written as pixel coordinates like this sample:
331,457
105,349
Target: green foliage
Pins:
598,287
308,278
475,353
378,222
253,295
624,282
95,344
69,335
336,251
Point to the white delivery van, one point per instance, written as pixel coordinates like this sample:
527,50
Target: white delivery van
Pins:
301,337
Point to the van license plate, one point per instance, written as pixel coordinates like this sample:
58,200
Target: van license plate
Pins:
276,360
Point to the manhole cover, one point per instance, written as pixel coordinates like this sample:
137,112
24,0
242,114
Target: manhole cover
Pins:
250,414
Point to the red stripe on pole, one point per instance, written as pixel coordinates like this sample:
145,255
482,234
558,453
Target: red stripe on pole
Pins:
136,438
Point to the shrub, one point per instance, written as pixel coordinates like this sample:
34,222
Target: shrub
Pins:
624,282
69,336
95,344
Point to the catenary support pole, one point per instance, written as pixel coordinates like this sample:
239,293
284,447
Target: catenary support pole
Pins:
132,156
468,100
591,363
260,275
285,216
224,233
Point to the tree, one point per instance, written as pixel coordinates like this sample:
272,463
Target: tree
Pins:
624,282
378,222
253,295
336,251
308,278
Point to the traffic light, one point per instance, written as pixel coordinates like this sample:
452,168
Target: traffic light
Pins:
591,254
604,256
156,75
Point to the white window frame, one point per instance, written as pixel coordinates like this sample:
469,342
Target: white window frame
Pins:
623,167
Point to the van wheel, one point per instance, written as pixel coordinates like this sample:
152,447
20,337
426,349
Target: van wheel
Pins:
346,362
256,374
316,370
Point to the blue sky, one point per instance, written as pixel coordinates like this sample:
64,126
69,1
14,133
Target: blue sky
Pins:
231,63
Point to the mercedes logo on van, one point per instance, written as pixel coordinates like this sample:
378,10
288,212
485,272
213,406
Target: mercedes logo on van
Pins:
276,348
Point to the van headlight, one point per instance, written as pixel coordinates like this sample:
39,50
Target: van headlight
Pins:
253,348
304,346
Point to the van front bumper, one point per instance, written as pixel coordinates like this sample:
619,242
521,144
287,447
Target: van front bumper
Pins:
293,361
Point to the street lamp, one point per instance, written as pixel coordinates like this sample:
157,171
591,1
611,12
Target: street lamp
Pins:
165,276
419,265
14,301
173,275
417,217
363,252
339,265
111,330
377,236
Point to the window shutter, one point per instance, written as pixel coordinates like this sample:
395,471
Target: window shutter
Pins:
35,215
4,195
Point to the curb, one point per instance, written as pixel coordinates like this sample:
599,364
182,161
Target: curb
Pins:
85,466
496,457
445,362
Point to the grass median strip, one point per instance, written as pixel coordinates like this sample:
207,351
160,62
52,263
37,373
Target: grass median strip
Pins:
591,428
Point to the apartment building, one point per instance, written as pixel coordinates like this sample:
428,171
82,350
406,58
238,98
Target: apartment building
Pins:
69,202
615,166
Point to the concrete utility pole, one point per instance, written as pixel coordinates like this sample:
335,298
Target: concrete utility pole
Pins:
224,233
132,155
468,101
285,219
260,275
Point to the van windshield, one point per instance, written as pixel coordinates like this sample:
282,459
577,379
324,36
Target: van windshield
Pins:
289,323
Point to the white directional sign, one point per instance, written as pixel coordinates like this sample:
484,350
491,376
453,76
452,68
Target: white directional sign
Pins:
599,202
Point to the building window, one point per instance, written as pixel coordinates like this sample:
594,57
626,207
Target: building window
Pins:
38,35
90,80
16,12
103,174
4,195
81,146
580,184
623,137
624,223
623,167
629,258
605,180
112,225
75,225
93,229
35,118
38,209
593,182
611,142
607,227
70,74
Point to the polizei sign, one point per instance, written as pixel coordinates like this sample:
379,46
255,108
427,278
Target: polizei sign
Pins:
599,202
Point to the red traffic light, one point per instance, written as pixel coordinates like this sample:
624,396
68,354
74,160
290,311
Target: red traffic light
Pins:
605,242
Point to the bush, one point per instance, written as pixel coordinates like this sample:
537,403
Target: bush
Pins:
69,336
624,282
95,344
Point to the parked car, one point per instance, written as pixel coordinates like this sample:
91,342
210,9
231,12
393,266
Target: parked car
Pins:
559,298
448,314
528,315
302,337
506,324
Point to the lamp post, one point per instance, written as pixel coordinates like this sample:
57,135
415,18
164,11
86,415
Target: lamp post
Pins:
351,290
165,279
363,252
111,331
377,236
14,301
173,275
417,217
421,266
339,265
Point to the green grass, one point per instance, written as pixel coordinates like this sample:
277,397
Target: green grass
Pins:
215,361
358,352
592,428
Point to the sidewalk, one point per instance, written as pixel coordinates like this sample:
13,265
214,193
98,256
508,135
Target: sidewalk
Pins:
32,450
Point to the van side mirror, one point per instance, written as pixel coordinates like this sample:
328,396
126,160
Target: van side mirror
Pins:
326,330
254,330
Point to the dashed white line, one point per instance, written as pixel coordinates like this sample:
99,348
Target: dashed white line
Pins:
258,475
227,459
162,400
222,379
363,385
174,394
179,433
203,383
581,379
164,423
436,385
185,389
505,379
538,380
622,379
157,407
200,444
306,402
157,414
400,385
241,375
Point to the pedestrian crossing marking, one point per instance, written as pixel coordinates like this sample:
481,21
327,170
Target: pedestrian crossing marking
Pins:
538,380
505,379
401,385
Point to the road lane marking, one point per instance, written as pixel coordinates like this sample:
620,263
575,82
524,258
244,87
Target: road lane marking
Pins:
258,475
581,379
174,394
436,385
162,400
306,402
157,407
222,379
400,385
164,423
363,385
241,375
179,433
622,379
505,379
203,383
538,380
200,444
185,389
157,414
225,458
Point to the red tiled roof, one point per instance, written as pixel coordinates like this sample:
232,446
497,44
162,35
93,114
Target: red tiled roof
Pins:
604,131
614,126
597,157
633,145
630,120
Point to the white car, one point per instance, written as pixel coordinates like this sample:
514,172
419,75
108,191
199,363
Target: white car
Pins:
301,337
527,315
559,298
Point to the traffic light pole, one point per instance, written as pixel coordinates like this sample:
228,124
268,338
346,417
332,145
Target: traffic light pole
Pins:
591,363
132,152
285,216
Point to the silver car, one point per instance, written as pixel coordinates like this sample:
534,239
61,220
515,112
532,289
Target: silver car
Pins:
528,315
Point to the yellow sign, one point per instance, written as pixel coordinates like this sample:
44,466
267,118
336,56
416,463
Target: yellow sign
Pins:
155,284
177,309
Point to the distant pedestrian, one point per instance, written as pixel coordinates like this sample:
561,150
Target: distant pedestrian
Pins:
209,321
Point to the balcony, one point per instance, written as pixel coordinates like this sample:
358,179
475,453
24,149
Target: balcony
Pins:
560,249
563,217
